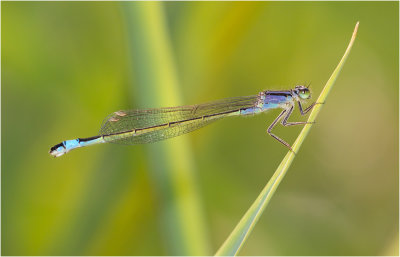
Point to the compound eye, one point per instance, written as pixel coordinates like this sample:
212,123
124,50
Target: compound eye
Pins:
304,94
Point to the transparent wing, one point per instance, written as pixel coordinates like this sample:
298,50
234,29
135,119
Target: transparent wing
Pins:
158,124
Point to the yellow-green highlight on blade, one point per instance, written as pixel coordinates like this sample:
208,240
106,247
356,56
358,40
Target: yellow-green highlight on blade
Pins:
237,238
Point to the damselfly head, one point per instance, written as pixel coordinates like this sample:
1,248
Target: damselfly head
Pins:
58,150
302,92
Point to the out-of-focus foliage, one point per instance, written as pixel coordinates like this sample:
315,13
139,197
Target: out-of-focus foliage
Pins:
67,65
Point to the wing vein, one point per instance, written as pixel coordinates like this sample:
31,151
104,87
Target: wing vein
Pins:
150,125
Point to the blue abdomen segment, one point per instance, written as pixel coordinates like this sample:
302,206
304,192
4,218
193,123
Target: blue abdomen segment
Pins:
71,144
81,142
68,145
90,141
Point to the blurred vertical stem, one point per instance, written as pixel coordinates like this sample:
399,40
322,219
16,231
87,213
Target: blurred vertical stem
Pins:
239,235
171,162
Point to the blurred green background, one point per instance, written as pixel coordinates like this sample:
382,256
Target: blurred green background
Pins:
67,65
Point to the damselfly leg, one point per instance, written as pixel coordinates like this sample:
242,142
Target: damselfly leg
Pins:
273,125
284,115
309,108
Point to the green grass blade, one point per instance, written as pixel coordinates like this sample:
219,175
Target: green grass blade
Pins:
179,209
236,239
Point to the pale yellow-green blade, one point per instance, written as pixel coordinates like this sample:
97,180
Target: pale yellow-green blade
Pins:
237,238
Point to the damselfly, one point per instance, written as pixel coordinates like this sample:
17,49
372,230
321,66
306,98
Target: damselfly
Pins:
151,125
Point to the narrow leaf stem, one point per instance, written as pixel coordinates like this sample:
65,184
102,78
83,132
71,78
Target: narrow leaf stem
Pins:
237,238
